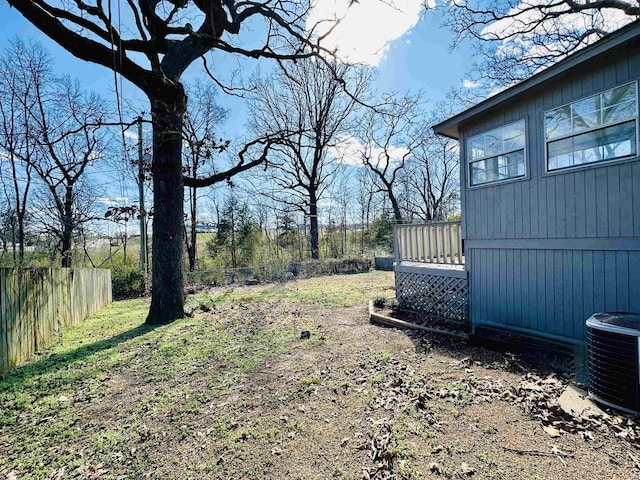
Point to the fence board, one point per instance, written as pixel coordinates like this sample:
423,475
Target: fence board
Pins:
37,302
4,313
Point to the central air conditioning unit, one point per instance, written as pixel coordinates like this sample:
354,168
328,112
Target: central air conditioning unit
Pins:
614,356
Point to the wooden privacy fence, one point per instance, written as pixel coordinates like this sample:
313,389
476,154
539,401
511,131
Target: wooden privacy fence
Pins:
437,242
37,302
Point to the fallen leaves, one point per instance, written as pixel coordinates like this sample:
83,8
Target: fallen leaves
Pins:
382,445
554,451
551,431
539,397
466,470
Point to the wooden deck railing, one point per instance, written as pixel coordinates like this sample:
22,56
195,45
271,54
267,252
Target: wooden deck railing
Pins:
437,242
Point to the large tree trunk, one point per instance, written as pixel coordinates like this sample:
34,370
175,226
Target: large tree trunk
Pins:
313,220
167,299
395,205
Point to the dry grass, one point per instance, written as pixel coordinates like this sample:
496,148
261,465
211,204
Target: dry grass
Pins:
235,393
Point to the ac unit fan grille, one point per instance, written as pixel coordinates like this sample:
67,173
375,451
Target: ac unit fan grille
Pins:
613,368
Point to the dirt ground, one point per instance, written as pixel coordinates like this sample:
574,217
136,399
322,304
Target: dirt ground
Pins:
351,401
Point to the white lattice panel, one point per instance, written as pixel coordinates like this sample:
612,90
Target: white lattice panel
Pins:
443,297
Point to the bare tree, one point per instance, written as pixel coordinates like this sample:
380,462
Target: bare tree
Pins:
388,137
342,195
432,175
64,213
70,138
519,37
22,67
365,194
201,145
152,47
307,109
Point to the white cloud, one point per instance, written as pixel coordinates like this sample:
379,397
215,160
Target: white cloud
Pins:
348,152
366,28
469,83
131,135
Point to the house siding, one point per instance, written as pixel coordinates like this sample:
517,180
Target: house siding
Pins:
551,291
547,251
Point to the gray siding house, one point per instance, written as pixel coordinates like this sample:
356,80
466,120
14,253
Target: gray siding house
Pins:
550,194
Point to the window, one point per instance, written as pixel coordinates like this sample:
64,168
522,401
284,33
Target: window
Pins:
595,129
497,155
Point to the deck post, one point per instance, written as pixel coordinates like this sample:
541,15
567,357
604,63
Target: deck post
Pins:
450,256
396,243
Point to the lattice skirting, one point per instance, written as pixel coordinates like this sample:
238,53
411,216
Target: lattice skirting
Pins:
443,297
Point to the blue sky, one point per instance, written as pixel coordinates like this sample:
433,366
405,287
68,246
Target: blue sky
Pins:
418,59
406,46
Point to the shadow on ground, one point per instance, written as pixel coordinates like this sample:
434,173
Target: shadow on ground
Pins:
56,362
515,354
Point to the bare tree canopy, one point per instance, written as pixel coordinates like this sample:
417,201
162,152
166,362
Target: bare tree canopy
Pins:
202,147
432,174
22,66
388,137
49,126
516,38
151,43
71,140
306,111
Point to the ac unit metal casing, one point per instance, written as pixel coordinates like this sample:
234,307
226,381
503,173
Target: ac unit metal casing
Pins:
614,360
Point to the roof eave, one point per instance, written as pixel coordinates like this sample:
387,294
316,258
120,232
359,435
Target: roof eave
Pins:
450,127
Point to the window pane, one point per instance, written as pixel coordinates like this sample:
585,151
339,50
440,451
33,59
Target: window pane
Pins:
479,172
496,142
613,106
476,148
586,113
494,148
619,141
515,143
621,94
515,131
586,120
621,111
501,167
560,153
586,147
493,136
558,122
604,144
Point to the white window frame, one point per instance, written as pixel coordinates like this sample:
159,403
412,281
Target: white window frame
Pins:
470,161
547,141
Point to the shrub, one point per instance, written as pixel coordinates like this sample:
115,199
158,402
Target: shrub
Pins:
379,302
127,281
